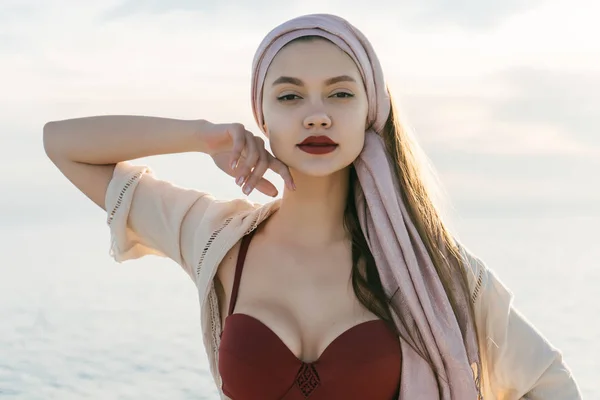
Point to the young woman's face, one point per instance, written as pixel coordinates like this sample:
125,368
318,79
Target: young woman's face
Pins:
313,88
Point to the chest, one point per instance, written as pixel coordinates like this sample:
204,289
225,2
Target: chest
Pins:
304,296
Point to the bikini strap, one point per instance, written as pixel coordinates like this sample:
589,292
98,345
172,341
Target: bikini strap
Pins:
238,269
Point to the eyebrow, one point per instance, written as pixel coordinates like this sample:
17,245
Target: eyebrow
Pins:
298,82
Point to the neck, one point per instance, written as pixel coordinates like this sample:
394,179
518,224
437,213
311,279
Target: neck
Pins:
313,214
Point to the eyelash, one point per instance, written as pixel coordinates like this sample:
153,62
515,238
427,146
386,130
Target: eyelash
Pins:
286,97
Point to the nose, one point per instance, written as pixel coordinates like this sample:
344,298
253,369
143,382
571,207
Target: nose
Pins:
317,120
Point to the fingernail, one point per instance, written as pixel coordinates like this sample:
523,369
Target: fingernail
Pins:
247,190
239,181
233,164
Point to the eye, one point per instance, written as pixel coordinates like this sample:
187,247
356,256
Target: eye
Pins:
342,95
288,97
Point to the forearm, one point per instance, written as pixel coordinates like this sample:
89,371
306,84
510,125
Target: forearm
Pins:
114,138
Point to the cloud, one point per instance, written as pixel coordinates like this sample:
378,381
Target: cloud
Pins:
12,16
9,42
525,131
566,101
520,110
11,10
130,8
253,12
467,14
519,184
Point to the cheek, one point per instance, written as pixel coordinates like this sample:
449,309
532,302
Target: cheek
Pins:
364,112
273,118
275,143
279,142
280,129
358,142
357,124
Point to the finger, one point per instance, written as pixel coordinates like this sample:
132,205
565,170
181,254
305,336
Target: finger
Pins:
283,170
238,135
259,170
252,155
266,187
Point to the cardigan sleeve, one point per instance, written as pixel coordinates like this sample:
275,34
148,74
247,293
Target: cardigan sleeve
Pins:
518,361
147,215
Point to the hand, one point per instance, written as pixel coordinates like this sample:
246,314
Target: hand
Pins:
243,156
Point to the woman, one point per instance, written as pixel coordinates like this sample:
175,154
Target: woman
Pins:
352,287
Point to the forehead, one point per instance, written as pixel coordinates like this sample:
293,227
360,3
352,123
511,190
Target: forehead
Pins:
312,59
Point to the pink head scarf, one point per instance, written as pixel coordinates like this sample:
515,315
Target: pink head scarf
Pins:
405,267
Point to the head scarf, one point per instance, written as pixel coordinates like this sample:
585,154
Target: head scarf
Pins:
407,273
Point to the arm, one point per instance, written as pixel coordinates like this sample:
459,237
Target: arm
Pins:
86,149
145,215
518,361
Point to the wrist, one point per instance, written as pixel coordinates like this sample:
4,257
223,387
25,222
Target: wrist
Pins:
199,128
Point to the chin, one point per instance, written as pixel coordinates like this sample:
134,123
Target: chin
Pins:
318,166
318,169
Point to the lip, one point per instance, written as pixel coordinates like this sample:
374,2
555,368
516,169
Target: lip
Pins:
317,150
318,141
318,145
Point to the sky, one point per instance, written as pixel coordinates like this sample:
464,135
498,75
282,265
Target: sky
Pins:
502,95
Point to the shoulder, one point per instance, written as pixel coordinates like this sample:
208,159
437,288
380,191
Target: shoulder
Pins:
224,223
231,215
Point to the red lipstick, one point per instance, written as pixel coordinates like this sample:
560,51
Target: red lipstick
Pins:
317,145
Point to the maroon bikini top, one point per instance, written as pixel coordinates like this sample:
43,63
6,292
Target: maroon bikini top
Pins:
364,362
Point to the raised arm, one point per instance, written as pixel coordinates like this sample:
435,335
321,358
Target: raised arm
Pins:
147,215
86,149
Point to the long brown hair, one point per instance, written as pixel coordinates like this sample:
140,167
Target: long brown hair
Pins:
402,148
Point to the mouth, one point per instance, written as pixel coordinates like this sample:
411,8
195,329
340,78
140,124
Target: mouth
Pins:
317,145
318,141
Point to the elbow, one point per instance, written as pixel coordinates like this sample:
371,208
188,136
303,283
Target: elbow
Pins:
49,141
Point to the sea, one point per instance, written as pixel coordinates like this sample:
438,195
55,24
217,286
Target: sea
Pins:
77,325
